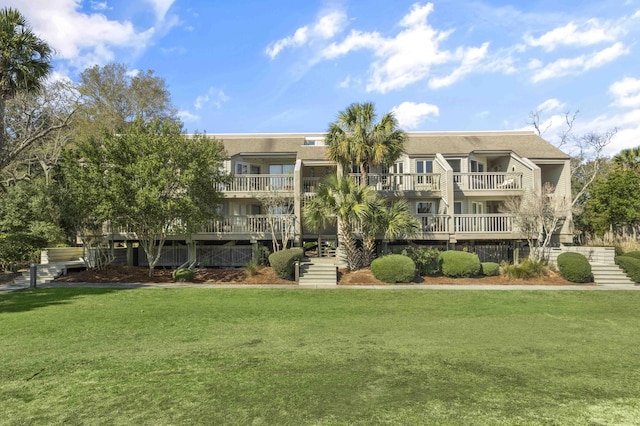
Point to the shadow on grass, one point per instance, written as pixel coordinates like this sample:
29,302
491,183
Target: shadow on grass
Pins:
28,300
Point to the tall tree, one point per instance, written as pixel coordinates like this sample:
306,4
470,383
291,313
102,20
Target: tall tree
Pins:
355,138
151,179
614,204
113,97
25,61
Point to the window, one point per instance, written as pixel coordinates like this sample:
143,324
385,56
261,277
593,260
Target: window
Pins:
425,207
424,167
246,168
282,182
457,207
476,167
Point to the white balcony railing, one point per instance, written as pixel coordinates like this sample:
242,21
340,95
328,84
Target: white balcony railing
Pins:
433,223
483,223
260,183
309,184
488,181
401,182
251,224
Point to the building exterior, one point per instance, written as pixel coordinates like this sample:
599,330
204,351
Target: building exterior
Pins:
455,183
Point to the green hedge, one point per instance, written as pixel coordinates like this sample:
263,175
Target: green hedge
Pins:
182,275
283,262
459,264
631,266
574,267
427,260
394,268
490,269
634,254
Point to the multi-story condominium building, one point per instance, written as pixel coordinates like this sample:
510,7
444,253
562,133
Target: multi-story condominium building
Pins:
455,183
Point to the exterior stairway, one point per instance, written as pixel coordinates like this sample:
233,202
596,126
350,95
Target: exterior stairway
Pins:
609,273
318,271
47,272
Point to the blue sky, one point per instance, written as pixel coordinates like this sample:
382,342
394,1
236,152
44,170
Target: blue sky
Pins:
291,66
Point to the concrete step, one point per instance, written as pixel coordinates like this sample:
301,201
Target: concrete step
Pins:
609,273
318,273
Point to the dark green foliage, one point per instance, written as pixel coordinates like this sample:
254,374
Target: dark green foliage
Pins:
427,260
631,267
394,268
634,254
574,267
459,264
283,262
490,269
260,255
610,203
20,247
527,269
182,275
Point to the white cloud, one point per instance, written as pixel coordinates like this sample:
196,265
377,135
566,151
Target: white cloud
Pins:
626,93
214,96
410,55
469,59
324,28
100,5
411,114
188,116
590,33
82,38
551,105
160,7
582,63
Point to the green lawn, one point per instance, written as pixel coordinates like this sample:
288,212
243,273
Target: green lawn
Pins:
252,356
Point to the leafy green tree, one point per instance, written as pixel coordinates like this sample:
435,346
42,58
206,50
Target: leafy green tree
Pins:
113,97
614,202
151,179
355,138
24,64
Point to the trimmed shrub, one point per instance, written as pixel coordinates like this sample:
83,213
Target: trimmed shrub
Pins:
394,268
283,262
490,269
574,267
458,264
634,254
631,267
525,270
182,275
427,260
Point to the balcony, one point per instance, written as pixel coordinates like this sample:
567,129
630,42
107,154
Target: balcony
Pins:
400,182
251,184
484,224
251,224
434,223
488,181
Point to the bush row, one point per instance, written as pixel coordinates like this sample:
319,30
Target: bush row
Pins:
630,265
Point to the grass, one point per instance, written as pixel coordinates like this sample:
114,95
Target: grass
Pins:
253,356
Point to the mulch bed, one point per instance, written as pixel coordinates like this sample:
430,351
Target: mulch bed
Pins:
266,275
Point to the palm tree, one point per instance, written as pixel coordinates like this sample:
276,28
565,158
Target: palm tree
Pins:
24,61
341,199
628,159
390,220
355,138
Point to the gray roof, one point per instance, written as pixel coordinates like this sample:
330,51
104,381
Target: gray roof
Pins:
523,143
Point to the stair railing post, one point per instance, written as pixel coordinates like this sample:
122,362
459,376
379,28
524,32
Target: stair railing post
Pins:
33,272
